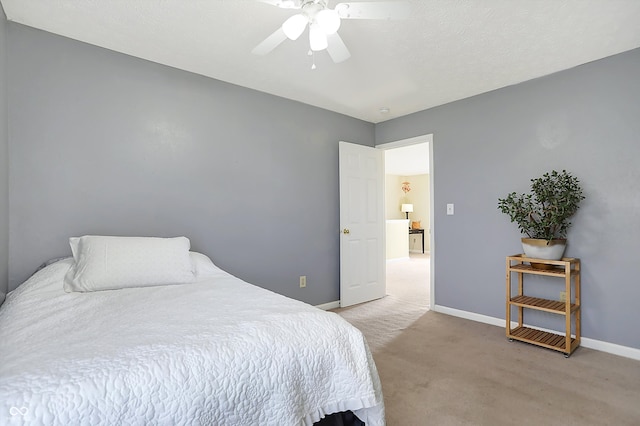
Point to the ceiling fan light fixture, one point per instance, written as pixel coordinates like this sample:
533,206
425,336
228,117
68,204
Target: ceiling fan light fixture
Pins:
325,22
294,26
328,20
317,38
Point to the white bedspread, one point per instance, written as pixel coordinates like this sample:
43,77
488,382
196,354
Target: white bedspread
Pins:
218,352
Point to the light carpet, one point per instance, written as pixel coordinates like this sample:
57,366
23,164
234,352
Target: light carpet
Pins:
442,370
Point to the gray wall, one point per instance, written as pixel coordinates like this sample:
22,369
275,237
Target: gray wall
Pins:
585,120
4,165
104,143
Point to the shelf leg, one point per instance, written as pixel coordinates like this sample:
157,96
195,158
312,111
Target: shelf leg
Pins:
520,293
577,301
567,307
508,315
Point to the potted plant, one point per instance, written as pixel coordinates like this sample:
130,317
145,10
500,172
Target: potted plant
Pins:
543,214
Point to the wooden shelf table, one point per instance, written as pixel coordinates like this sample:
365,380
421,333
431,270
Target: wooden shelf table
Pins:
567,268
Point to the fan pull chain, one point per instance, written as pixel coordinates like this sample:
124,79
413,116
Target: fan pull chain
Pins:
313,59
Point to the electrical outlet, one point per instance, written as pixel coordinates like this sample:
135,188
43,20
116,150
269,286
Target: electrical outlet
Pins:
563,296
303,281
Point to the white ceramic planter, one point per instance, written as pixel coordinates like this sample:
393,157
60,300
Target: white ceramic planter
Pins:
543,249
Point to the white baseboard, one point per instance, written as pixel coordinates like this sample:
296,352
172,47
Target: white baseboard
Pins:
329,306
611,348
598,345
469,315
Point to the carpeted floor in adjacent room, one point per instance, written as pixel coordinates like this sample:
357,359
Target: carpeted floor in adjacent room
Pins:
442,370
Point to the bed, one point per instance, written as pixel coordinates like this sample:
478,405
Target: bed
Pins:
212,351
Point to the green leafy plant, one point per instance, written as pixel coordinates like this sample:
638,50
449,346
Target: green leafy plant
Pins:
544,213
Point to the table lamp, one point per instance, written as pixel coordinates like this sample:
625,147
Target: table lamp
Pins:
407,208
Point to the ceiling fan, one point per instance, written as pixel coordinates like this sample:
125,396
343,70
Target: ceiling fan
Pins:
324,23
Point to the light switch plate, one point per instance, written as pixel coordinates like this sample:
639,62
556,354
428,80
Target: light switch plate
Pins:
450,209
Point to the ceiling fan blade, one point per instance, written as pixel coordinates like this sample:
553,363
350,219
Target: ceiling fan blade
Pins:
270,43
374,10
337,49
283,4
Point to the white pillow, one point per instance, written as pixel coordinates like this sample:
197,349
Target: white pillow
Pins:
202,265
109,263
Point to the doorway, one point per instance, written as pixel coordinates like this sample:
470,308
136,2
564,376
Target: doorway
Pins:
408,209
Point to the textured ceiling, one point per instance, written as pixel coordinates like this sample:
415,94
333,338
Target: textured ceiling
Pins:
447,50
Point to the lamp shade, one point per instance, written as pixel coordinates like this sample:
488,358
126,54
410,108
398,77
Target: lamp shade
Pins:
294,26
317,38
407,208
329,20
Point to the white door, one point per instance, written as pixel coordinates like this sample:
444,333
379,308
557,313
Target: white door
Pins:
362,245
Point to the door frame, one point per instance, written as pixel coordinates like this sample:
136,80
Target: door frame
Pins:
428,138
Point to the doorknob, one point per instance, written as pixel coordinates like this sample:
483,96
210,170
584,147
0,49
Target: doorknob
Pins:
345,231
